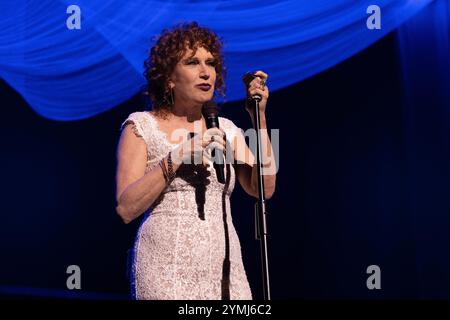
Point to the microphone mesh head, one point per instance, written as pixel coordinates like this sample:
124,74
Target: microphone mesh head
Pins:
210,109
248,77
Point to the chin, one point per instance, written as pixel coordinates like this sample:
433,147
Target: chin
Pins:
205,99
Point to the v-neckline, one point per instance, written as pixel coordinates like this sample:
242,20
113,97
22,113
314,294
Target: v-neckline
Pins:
161,132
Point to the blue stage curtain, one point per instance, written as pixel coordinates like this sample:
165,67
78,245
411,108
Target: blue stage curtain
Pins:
424,47
73,74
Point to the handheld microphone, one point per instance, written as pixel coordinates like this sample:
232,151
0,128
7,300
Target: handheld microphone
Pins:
211,115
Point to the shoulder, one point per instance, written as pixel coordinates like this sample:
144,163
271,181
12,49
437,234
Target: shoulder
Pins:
141,122
137,116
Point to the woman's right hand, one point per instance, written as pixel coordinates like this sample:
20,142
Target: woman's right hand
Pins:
192,151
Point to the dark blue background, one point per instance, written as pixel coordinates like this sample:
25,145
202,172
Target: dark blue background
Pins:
363,180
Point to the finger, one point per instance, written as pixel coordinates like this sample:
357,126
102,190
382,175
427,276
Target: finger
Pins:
263,93
261,74
206,162
214,131
205,139
256,83
224,134
217,139
214,135
205,143
216,144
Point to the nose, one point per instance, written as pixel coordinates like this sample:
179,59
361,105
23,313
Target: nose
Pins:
204,72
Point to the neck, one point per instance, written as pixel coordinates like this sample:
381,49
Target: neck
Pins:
185,112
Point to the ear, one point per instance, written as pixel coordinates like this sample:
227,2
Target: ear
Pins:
171,84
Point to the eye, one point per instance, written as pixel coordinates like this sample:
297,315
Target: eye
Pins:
191,62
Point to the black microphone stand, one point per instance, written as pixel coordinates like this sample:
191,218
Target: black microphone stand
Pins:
260,205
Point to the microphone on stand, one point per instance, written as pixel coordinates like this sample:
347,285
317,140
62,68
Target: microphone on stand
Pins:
211,115
247,78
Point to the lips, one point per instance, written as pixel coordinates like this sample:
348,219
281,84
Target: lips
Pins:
204,86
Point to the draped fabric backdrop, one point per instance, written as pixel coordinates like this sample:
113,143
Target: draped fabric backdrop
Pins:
73,74
424,48
364,173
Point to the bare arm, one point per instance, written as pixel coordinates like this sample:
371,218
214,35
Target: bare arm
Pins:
136,191
246,169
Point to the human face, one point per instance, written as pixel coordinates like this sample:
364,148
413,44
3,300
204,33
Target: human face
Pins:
194,77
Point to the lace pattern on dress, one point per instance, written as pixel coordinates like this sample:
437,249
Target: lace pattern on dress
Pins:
187,238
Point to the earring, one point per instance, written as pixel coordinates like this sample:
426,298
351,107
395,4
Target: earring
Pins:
171,97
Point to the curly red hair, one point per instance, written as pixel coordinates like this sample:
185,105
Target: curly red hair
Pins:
168,50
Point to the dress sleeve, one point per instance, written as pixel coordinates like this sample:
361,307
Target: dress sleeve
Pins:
135,119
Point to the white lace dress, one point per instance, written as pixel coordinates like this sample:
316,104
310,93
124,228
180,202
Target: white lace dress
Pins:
187,246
